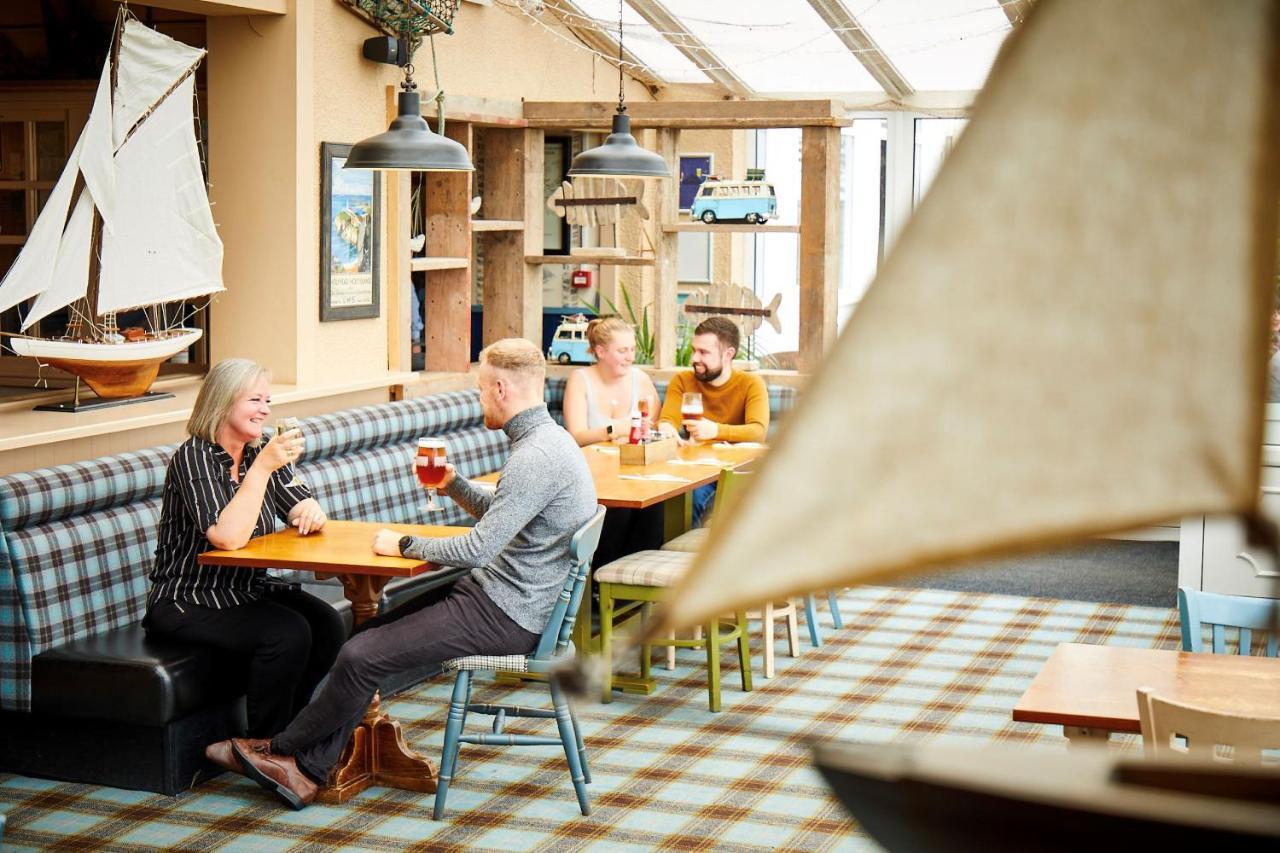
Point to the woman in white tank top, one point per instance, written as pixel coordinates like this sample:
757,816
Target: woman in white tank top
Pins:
598,399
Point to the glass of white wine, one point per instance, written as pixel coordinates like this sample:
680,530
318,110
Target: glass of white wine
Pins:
284,425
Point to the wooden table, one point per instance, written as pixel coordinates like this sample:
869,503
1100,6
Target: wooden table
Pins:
376,753
613,492
1091,691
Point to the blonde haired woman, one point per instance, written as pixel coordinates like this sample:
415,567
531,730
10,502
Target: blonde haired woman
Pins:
598,399
224,486
597,407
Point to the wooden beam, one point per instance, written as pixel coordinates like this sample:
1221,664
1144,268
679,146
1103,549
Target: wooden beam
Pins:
399,286
512,294
729,115
595,37
836,15
489,111
217,8
673,30
819,242
666,244
448,292
1015,10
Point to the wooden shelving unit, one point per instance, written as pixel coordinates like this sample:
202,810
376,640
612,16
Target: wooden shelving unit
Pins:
729,228
427,264
602,260
496,225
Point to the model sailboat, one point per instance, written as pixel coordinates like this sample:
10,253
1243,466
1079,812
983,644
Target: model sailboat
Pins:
132,198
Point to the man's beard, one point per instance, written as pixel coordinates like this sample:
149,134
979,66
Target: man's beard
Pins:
701,373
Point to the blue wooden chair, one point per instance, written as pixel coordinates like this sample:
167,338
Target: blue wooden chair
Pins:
553,644
811,616
1198,609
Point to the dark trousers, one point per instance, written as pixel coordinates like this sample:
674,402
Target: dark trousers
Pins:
291,639
627,531
443,623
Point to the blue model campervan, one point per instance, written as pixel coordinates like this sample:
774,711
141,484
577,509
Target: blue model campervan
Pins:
569,344
746,201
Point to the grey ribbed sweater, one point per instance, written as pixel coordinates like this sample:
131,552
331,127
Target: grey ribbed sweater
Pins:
519,549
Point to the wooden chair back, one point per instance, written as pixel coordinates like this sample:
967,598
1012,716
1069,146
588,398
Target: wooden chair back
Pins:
1245,615
1174,729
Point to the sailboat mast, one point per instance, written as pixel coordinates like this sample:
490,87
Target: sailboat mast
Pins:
97,331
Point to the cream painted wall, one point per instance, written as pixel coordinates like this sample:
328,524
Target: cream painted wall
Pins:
253,120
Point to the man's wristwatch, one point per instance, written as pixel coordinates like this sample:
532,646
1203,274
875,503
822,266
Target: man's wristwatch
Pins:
608,429
405,541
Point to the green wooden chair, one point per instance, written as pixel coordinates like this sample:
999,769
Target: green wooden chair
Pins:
728,490
648,576
551,646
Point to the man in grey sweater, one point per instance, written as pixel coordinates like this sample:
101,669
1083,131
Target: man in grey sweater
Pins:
518,553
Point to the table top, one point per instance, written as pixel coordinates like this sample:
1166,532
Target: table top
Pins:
1096,686
611,491
344,547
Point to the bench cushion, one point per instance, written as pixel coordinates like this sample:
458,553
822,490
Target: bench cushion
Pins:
125,676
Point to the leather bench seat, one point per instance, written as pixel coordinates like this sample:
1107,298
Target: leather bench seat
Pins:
127,677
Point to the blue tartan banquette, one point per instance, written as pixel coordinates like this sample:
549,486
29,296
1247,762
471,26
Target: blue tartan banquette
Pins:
84,694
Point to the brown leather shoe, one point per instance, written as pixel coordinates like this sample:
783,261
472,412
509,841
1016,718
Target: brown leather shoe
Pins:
221,754
279,774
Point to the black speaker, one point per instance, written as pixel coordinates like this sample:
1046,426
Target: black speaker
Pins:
383,49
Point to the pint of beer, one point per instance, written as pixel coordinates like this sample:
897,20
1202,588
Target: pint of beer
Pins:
690,408
429,464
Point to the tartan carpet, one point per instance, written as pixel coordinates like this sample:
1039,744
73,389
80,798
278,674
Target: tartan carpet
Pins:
910,665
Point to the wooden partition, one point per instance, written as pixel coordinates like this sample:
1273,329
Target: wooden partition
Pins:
448,264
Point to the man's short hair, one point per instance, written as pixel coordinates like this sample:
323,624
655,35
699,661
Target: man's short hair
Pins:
517,356
723,328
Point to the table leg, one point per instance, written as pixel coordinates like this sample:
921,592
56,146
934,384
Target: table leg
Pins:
1083,736
376,753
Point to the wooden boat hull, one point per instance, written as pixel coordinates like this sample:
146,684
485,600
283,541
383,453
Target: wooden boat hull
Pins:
113,371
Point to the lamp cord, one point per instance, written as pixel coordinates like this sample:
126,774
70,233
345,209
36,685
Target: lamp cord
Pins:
622,104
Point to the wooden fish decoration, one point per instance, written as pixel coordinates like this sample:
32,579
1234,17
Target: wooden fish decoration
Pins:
739,304
595,201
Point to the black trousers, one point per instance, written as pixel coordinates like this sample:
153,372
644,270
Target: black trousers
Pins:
446,622
627,531
290,637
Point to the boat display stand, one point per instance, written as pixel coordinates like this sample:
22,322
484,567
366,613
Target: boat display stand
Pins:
76,405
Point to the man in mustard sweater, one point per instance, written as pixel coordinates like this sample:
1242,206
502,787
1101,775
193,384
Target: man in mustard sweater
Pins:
735,404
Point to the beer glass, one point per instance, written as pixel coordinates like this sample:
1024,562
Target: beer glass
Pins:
428,464
284,425
690,410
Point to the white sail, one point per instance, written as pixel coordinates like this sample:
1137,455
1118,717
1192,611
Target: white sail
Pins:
1068,339
164,246
70,277
97,149
149,65
33,268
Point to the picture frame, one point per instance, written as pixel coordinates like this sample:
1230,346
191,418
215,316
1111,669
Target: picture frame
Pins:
350,237
694,169
557,151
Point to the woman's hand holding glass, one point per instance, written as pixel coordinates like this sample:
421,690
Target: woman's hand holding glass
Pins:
282,449
289,428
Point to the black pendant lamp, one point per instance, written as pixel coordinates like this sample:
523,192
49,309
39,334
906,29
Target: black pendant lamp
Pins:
619,156
409,143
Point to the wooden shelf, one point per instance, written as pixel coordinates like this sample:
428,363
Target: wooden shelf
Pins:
603,260
731,228
496,225
426,264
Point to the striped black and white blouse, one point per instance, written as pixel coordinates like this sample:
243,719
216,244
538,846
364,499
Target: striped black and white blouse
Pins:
197,487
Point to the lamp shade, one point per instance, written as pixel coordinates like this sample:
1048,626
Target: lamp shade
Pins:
619,156
409,144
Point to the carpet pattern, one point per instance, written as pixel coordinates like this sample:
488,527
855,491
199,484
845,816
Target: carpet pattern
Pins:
911,665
